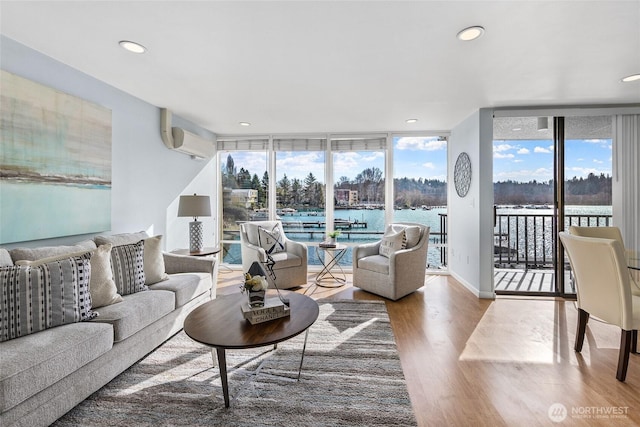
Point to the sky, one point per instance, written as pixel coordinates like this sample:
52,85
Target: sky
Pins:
426,157
527,160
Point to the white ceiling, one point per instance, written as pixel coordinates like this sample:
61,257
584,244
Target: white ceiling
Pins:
309,66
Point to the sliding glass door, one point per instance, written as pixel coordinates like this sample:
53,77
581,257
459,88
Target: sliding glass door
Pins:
549,173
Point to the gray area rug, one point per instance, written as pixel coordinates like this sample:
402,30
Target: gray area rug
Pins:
351,377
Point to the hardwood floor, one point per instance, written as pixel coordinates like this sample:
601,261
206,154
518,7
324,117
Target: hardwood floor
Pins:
498,363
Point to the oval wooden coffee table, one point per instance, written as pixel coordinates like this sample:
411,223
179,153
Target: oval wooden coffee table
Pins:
220,324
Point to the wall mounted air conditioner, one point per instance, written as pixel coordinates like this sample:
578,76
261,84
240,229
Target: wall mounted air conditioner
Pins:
189,143
184,141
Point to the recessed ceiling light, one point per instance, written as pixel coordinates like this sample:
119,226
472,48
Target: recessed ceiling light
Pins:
631,78
470,33
411,120
132,46
245,124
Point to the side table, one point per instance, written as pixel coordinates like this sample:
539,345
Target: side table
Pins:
330,262
202,252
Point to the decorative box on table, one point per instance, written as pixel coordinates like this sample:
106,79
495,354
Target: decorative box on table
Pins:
273,309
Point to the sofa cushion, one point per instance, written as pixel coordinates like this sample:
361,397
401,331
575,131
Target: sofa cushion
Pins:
5,258
154,270
286,260
376,263
30,254
392,242
127,265
185,286
45,296
135,312
34,362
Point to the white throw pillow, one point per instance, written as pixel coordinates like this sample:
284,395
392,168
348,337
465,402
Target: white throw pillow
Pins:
272,241
154,270
392,242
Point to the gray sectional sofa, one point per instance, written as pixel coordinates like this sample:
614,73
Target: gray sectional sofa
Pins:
45,374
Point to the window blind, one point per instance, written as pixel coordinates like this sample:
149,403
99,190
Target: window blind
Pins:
299,144
257,144
359,144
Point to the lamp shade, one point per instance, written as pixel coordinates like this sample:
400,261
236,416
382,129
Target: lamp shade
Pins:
194,206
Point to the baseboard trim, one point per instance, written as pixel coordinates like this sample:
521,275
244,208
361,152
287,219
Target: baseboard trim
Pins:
473,289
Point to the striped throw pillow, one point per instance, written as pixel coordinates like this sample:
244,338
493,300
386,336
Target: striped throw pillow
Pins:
127,263
35,298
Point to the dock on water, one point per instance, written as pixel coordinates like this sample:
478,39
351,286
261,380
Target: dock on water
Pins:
338,224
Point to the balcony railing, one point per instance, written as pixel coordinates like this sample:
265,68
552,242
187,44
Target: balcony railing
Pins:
526,240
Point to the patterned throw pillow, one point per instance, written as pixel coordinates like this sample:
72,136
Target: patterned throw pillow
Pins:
33,299
272,240
127,263
392,242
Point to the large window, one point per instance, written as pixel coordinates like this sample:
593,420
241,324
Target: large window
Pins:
244,187
420,189
300,187
286,178
358,190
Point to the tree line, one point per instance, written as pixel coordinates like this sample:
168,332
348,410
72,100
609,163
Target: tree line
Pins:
370,184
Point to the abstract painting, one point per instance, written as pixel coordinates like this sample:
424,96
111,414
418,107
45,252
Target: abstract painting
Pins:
55,163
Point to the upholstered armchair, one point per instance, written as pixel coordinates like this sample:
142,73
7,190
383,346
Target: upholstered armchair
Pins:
394,266
603,288
259,238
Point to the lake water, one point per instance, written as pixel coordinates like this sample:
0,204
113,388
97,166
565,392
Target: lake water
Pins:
374,220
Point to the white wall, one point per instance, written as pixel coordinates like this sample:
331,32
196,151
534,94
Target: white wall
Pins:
147,178
470,219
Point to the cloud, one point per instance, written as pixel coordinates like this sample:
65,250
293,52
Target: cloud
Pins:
523,151
497,155
603,143
598,161
518,161
580,160
429,165
541,150
502,147
578,171
525,175
420,143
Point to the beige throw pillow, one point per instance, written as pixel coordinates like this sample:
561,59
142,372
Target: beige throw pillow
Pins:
154,270
101,285
412,233
392,242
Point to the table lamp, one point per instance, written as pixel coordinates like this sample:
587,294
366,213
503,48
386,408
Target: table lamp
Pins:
194,206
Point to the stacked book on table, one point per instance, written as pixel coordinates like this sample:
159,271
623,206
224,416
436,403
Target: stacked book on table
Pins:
273,309
327,244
